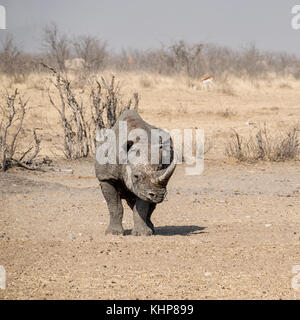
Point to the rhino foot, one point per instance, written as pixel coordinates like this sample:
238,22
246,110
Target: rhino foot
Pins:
151,226
115,230
142,231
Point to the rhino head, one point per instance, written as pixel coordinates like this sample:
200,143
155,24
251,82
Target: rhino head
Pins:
148,181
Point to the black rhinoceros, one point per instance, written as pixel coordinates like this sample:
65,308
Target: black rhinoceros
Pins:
142,184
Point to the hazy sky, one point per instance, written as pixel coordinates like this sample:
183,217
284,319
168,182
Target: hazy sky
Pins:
145,24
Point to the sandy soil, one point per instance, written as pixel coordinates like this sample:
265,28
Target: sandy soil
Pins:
230,233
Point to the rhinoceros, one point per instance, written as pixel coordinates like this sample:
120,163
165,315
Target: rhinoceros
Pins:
142,184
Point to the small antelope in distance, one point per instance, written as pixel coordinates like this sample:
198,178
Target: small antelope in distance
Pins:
206,82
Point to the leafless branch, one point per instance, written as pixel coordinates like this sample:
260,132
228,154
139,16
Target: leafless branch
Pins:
9,149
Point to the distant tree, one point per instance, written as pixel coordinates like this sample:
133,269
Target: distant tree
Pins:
92,50
57,46
9,55
13,61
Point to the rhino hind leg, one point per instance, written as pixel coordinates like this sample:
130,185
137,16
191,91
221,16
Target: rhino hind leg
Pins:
142,223
115,208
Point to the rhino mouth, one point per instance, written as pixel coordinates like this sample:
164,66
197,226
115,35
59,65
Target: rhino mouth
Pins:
154,197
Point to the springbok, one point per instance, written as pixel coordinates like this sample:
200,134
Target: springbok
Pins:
206,82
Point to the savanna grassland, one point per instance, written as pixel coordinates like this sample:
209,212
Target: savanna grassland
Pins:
231,233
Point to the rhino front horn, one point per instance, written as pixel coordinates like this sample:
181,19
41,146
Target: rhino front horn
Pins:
164,177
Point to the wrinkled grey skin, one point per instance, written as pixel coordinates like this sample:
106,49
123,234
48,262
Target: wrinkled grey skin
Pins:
141,185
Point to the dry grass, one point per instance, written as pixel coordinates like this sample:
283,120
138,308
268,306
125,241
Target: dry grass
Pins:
227,113
262,145
169,102
226,88
146,81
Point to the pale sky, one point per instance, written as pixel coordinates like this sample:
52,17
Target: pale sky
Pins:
145,24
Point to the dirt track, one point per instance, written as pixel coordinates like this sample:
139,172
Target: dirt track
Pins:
233,232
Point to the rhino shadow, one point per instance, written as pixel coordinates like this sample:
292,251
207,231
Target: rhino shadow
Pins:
178,230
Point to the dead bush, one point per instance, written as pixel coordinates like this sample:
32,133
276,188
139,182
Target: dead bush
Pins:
261,145
80,123
191,59
11,127
92,51
107,105
56,47
186,57
73,119
198,59
13,62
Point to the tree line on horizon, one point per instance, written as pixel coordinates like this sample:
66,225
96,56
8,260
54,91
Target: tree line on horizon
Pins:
180,57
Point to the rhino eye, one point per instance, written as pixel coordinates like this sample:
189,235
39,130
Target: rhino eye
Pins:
129,144
136,177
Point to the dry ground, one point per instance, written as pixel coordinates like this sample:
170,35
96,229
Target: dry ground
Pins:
233,232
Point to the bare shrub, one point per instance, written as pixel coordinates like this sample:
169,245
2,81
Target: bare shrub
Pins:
109,101
186,57
13,62
79,123
92,51
193,60
56,46
76,144
107,105
251,62
261,145
11,127
198,59
177,58
9,55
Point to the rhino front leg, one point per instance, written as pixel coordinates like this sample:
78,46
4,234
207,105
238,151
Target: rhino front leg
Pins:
115,208
152,206
141,219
